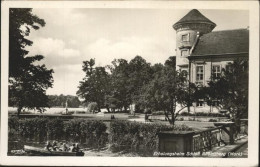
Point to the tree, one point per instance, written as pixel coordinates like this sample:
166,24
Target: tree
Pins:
59,101
166,90
140,73
92,107
95,84
231,90
28,82
120,95
127,80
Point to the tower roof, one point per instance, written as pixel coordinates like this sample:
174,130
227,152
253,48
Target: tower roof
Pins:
194,16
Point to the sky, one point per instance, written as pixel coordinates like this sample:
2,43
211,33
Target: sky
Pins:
72,36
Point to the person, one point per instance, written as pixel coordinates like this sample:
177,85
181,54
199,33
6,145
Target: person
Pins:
77,149
48,146
64,147
73,148
146,117
54,145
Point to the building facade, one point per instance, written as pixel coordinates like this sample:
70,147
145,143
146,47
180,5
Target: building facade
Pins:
203,53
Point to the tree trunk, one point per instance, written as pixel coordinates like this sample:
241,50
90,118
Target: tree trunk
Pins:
19,111
125,108
108,110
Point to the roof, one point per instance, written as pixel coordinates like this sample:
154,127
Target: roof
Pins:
222,42
194,16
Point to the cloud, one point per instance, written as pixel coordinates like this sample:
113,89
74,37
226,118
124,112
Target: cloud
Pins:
151,49
55,51
50,46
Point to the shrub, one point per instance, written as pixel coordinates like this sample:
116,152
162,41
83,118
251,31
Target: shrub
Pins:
213,120
13,128
92,107
180,119
92,133
182,127
133,135
55,128
13,123
191,119
202,114
158,113
33,128
186,114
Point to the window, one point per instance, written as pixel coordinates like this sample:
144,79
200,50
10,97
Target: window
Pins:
215,103
200,103
216,71
184,52
229,67
199,73
185,38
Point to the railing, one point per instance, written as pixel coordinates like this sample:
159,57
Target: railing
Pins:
205,140
200,141
244,126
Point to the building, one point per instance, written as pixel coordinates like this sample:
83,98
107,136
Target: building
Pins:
203,53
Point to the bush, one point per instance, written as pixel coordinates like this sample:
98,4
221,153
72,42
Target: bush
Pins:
13,127
92,107
191,119
55,128
180,119
202,114
33,128
213,120
92,133
138,136
158,113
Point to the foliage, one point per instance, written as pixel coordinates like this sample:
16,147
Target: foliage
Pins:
167,89
27,81
35,128
59,101
95,84
140,73
92,133
13,126
231,89
92,107
202,114
120,95
126,134
213,120
55,129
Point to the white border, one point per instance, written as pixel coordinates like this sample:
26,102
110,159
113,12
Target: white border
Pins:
252,159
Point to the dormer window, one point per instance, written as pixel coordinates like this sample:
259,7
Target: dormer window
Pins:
185,38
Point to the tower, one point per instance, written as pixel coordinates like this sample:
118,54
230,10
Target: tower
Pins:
188,30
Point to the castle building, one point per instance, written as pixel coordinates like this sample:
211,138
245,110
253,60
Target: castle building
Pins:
203,53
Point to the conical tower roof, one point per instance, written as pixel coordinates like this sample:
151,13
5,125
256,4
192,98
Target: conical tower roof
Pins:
194,16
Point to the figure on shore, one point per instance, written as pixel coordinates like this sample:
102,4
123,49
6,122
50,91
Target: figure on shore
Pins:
48,146
54,145
64,147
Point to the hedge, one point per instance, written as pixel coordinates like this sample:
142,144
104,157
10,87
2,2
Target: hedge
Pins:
124,135
203,114
92,133
138,136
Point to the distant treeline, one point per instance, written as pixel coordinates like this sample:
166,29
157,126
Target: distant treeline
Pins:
60,101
